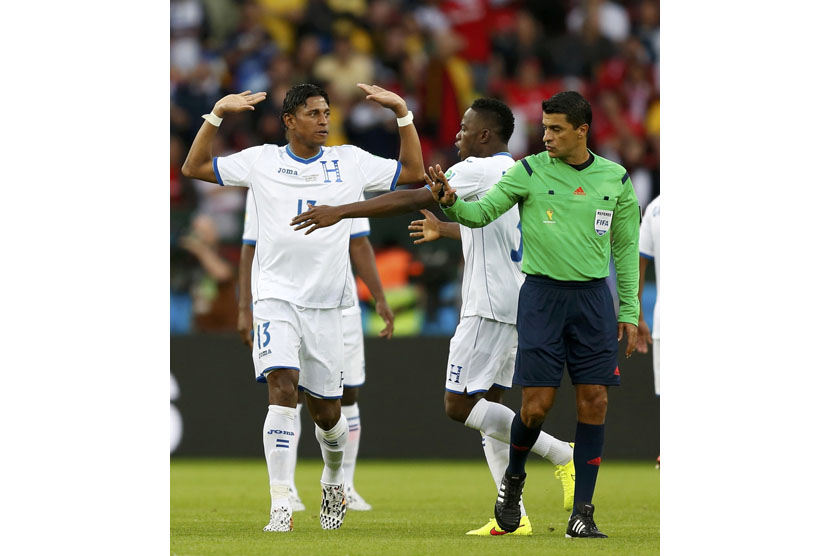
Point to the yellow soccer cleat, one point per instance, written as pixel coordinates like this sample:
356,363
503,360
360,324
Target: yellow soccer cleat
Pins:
492,529
567,475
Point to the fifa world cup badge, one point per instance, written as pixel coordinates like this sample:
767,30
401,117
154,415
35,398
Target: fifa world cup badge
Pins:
602,221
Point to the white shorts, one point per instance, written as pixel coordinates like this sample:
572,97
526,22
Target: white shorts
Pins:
482,354
354,362
308,340
655,350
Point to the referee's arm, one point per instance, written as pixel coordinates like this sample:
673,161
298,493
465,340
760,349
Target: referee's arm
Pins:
501,197
625,236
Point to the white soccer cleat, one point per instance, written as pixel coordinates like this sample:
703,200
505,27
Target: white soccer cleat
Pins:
332,506
356,502
296,504
281,520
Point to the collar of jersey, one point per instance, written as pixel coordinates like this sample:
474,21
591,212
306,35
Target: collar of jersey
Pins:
303,160
504,153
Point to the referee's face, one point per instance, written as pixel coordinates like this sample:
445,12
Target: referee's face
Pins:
309,124
561,139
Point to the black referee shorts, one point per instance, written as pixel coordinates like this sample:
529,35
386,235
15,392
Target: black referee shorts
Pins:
563,322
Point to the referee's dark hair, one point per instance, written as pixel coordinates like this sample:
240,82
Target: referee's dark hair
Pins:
499,115
577,110
298,94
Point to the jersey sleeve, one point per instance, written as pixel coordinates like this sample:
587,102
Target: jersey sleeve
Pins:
646,240
249,228
236,168
625,235
509,190
360,227
381,174
466,177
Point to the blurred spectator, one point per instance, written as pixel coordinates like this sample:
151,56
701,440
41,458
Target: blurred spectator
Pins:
344,67
612,19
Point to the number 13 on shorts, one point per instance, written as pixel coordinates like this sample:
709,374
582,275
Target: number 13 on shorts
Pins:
263,337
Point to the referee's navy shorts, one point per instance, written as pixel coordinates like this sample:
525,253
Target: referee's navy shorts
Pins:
563,322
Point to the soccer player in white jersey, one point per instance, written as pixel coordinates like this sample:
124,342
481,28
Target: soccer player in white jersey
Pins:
650,250
483,349
354,373
300,283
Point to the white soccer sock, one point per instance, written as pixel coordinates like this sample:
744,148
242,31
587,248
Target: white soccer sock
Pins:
298,426
494,419
497,454
352,414
333,446
277,437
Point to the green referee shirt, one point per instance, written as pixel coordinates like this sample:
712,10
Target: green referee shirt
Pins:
572,220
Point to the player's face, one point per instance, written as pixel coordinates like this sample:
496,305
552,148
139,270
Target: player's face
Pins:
467,137
309,125
561,138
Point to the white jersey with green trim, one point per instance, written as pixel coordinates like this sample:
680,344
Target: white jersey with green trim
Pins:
307,270
492,254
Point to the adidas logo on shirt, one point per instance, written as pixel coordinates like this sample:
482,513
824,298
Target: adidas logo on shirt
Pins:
578,191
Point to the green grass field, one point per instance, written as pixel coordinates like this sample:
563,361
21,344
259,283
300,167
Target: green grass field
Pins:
420,508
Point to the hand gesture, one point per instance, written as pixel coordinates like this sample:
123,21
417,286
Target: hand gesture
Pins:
643,337
245,327
241,102
385,98
631,332
426,229
440,186
382,309
317,216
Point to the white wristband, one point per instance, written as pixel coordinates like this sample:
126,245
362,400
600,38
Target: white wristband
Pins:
406,120
213,118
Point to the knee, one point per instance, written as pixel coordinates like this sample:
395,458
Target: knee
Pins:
456,408
533,415
592,408
325,418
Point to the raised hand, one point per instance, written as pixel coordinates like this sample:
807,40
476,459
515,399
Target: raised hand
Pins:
426,229
440,186
240,102
385,98
317,216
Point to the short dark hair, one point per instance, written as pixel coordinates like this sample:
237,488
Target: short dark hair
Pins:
577,110
299,94
499,115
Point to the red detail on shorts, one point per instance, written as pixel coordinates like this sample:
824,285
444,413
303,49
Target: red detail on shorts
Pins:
595,461
617,371
520,448
494,532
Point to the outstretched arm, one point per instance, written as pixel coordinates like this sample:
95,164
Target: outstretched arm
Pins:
411,159
430,228
363,261
199,161
388,204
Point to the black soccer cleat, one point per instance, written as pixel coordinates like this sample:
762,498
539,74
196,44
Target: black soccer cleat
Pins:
507,511
582,526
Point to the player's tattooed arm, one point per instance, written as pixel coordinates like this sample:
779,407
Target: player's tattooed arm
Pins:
199,161
431,228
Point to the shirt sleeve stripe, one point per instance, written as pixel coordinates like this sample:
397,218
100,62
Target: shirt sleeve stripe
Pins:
625,177
248,242
646,256
395,179
216,171
360,234
527,167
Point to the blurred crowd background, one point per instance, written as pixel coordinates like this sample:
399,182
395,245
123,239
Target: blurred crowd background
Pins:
440,56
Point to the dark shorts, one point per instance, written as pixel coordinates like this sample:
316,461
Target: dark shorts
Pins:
566,322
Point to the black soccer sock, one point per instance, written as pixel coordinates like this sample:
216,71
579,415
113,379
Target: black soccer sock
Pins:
522,440
588,444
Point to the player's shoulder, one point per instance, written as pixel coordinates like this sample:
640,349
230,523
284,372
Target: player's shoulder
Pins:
653,208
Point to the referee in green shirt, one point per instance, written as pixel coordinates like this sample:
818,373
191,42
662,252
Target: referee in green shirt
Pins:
576,209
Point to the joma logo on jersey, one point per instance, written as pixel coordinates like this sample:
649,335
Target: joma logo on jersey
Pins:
455,376
264,352
278,431
287,171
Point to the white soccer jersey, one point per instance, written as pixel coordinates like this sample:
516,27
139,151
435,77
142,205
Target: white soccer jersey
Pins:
360,227
650,248
307,270
492,254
